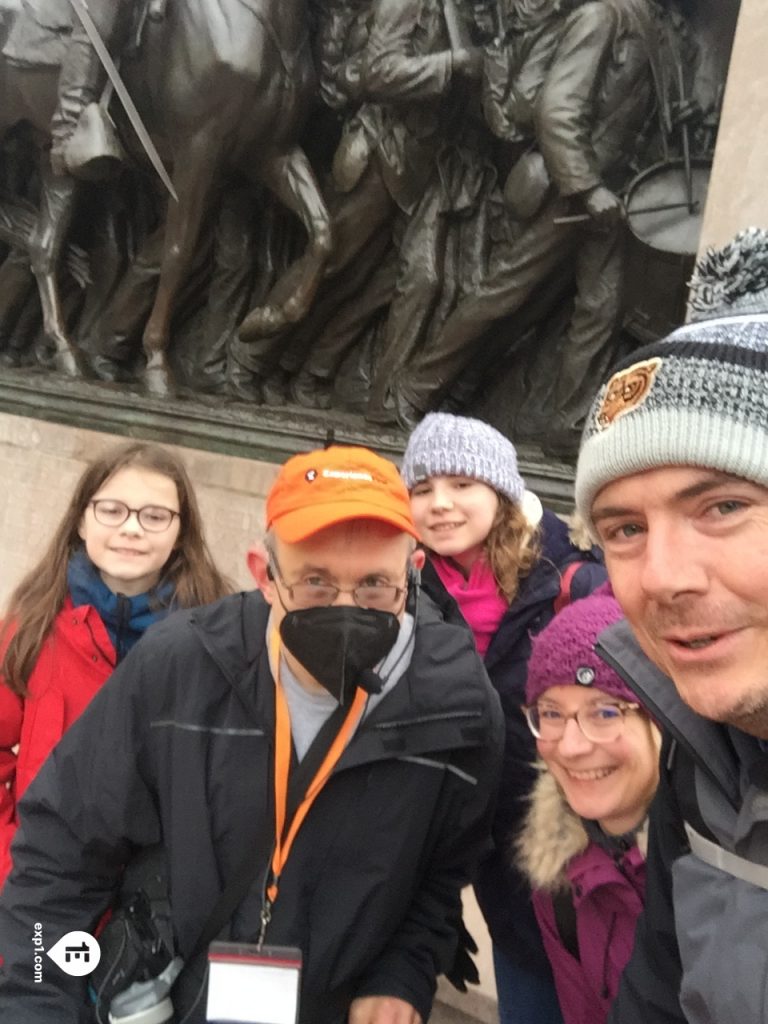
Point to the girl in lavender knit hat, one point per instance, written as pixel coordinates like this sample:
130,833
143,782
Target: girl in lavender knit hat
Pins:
582,846
499,562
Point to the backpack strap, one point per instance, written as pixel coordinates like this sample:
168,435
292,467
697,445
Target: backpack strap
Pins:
565,920
724,860
566,578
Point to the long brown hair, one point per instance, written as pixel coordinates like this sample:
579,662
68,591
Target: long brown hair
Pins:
39,597
511,547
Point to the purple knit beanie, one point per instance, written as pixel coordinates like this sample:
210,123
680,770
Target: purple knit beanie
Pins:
563,653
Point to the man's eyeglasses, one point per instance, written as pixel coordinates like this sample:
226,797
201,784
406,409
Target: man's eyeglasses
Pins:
600,723
379,595
153,518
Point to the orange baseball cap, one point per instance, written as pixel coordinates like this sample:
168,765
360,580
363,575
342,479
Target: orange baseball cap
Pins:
333,485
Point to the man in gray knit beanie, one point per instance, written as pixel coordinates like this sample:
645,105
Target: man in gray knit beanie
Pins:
698,396
673,479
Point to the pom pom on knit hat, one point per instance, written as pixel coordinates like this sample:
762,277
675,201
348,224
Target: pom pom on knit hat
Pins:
563,653
698,397
446,445
731,280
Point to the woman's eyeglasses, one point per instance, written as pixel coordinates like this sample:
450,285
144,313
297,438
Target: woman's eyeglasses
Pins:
600,723
153,518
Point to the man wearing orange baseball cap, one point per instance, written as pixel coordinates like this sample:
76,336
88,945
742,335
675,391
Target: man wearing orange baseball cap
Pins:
318,759
339,559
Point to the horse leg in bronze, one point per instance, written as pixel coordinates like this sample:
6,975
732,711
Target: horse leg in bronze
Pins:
195,166
292,180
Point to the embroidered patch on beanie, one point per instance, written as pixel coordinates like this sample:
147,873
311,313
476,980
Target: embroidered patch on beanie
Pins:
626,390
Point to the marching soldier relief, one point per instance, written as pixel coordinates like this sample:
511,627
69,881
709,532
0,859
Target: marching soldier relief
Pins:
374,207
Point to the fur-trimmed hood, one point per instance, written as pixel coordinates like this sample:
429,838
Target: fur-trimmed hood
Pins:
551,836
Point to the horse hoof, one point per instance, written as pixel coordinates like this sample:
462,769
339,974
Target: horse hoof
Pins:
261,322
65,361
157,381
108,370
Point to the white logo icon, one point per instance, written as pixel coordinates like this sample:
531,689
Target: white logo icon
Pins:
76,953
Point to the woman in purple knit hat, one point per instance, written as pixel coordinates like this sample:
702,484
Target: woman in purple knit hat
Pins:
582,846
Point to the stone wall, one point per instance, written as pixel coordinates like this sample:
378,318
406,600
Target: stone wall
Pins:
737,196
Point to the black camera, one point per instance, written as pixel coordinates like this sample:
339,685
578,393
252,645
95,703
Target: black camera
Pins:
137,969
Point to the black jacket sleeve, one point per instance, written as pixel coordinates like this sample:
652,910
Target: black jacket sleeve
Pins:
650,985
425,944
89,807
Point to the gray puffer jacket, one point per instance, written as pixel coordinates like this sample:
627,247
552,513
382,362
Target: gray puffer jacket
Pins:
700,950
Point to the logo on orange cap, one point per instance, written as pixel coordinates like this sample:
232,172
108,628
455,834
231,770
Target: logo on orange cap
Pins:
333,485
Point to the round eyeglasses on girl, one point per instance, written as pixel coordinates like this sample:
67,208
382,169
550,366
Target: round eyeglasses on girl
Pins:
153,518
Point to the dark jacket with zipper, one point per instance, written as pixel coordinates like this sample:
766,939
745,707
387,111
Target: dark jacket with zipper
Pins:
178,747
699,954
502,892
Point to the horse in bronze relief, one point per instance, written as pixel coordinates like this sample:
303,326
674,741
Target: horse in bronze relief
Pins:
219,84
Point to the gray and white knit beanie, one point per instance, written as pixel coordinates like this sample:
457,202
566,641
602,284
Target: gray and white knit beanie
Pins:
698,397
446,445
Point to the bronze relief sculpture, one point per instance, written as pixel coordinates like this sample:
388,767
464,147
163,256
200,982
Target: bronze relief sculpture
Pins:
384,206
221,83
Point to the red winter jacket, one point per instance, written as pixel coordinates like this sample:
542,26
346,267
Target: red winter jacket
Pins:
74,663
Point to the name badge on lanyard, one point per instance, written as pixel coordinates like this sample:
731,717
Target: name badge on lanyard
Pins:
253,984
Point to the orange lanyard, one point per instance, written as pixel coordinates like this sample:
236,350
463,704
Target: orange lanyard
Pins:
283,843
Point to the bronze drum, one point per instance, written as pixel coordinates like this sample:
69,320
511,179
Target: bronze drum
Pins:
662,245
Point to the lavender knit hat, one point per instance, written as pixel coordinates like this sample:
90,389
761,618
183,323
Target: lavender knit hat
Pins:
563,653
446,445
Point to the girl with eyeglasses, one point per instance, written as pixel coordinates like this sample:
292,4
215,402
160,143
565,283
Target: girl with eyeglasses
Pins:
129,549
500,563
582,846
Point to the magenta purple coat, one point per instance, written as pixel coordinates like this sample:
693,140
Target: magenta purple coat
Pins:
606,892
